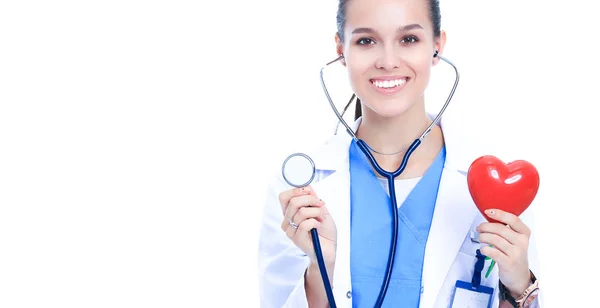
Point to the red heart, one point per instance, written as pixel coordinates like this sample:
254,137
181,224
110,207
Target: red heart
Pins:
496,185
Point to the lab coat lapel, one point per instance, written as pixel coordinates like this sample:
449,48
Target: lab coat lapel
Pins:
452,219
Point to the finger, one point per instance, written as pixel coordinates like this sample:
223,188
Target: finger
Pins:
501,230
496,255
305,213
307,225
290,231
302,201
286,196
498,242
510,219
299,202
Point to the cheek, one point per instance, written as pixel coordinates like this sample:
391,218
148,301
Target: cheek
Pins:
357,69
357,65
422,69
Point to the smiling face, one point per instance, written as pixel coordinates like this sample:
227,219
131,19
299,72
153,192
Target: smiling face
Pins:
388,48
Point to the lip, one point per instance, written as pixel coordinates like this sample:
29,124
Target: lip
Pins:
389,91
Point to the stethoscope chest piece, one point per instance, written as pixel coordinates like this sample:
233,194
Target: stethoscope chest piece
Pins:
298,170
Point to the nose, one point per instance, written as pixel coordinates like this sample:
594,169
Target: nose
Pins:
388,59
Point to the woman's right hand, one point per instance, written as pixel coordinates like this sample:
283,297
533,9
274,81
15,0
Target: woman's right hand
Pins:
307,211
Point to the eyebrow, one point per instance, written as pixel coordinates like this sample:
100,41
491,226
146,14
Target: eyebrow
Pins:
401,29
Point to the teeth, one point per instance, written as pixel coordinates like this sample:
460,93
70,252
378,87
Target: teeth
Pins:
389,83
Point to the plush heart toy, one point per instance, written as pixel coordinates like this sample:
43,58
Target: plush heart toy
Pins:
495,185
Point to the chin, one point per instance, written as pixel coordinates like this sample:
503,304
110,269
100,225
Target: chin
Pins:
390,110
389,107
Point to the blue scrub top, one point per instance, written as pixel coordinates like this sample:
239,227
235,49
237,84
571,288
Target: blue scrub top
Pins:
371,232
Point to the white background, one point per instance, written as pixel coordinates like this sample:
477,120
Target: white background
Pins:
137,137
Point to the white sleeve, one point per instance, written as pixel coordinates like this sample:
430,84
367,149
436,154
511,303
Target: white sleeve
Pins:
281,264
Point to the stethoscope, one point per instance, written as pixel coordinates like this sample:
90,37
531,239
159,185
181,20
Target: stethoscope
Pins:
302,166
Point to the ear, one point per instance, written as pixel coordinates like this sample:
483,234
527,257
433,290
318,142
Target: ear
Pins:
339,48
439,46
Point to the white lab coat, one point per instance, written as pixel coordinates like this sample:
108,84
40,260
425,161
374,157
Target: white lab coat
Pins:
449,255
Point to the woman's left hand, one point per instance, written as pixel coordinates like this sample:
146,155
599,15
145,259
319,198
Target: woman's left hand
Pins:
510,245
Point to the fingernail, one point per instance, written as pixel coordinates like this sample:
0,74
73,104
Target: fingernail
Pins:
490,212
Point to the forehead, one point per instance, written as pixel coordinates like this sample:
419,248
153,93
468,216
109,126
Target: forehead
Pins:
381,14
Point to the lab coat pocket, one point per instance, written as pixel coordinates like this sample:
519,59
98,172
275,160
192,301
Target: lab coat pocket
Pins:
466,262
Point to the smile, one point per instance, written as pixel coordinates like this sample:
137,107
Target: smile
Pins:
388,85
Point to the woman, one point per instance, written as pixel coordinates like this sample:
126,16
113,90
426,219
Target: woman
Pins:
388,47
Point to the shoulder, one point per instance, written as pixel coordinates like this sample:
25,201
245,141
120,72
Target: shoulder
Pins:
463,146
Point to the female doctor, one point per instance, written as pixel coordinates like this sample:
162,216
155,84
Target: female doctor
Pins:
387,48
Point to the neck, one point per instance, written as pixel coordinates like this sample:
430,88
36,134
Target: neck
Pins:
390,135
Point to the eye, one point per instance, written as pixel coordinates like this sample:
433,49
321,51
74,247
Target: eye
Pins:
410,39
365,41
